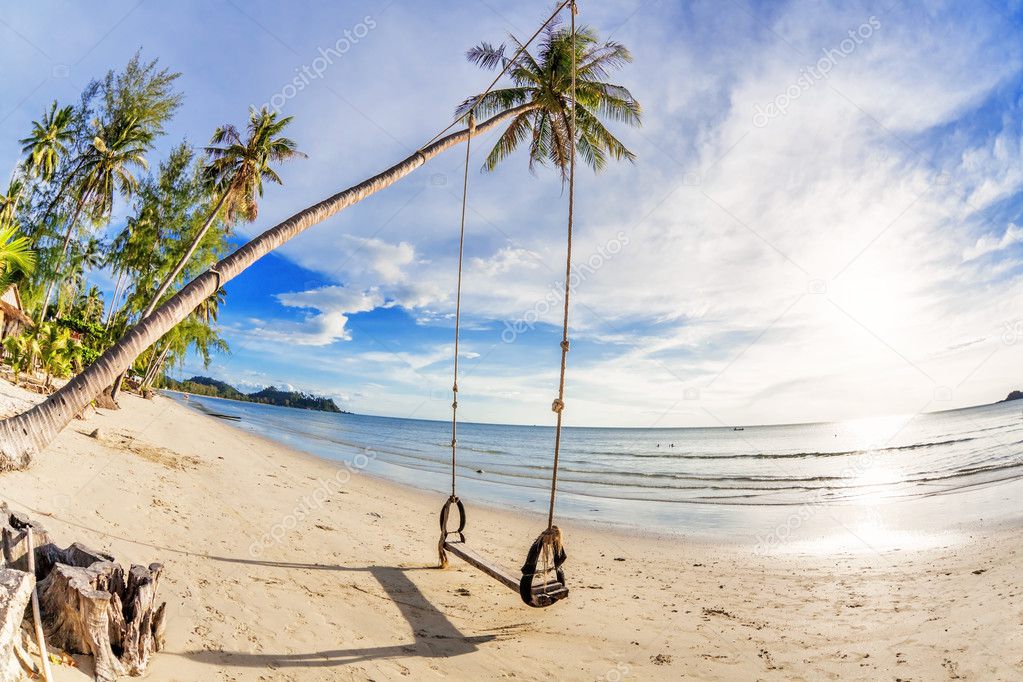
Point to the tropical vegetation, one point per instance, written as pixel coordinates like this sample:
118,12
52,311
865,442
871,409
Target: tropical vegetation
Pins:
81,165
57,230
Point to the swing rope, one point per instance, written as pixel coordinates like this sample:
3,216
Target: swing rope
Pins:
559,404
458,300
465,194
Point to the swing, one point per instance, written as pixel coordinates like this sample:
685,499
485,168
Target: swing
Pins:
541,580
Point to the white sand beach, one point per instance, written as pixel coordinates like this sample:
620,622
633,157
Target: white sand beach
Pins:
350,589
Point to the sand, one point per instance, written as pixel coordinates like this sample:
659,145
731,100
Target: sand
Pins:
347,588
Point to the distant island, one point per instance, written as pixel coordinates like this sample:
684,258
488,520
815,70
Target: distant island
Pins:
270,395
1015,395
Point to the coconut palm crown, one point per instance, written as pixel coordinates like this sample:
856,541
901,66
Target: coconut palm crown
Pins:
238,167
48,141
545,81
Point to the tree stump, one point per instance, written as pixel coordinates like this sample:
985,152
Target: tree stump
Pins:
90,605
106,400
15,592
14,538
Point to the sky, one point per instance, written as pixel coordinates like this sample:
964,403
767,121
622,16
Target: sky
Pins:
823,221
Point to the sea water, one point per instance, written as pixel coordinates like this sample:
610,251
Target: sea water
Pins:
870,484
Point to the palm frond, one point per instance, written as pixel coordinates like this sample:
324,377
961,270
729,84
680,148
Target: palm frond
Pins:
486,56
517,131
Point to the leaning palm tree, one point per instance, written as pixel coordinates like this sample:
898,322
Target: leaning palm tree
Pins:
48,141
235,174
27,433
106,169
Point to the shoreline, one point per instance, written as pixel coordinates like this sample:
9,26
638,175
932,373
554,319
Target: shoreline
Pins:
349,590
894,522
615,428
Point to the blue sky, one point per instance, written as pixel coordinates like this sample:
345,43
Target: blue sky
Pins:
823,221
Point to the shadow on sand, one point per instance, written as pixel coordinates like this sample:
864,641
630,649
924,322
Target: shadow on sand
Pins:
434,635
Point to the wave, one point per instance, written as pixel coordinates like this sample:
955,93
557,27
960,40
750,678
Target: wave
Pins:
628,469
798,455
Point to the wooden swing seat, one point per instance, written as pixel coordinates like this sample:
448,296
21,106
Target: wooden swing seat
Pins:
555,590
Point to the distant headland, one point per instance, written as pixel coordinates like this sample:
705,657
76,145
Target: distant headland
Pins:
1015,395
270,395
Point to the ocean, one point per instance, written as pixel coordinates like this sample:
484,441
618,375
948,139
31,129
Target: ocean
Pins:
871,484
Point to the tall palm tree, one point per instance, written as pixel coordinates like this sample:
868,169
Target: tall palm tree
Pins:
85,257
545,80
209,310
48,141
105,170
26,434
117,150
9,201
235,174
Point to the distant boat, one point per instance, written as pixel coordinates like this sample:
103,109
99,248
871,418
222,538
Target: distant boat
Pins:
738,428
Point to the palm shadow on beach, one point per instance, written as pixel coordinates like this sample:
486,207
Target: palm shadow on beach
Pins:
434,635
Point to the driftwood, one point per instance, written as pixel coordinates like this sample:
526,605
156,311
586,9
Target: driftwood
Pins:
15,592
90,605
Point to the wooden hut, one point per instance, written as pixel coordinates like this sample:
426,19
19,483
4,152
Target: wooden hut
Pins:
13,319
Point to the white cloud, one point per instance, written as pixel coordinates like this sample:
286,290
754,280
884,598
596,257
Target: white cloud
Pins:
507,259
992,243
338,298
320,329
783,273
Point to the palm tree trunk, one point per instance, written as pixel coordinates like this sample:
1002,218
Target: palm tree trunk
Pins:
155,370
169,279
26,434
56,199
63,254
113,300
115,388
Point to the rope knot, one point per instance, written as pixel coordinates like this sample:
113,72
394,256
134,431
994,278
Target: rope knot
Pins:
552,538
454,388
217,275
558,405
472,124
454,405
564,345
453,442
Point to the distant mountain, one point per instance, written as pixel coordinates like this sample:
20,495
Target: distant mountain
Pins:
270,395
1015,395
220,389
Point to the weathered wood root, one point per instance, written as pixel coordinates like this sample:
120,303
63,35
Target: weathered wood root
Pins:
15,592
14,538
90,605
